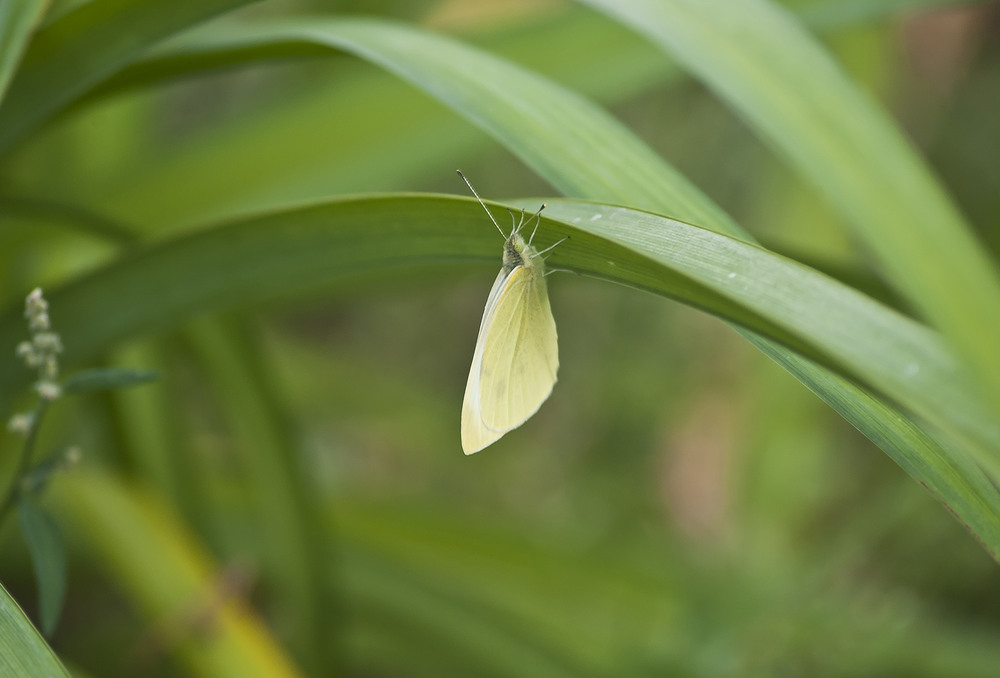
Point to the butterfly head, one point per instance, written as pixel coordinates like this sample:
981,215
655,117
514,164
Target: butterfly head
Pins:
515,251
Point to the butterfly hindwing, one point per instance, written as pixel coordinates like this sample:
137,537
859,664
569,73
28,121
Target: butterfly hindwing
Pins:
516,359
520,356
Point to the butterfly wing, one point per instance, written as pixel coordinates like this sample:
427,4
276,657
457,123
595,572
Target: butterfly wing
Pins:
475,434
516,359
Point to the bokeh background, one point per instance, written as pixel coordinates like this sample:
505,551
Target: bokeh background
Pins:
680,506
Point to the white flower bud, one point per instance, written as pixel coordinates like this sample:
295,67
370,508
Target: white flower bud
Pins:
35,303
48,390
48,342
72,456
21,423
25,349
36,311
39,322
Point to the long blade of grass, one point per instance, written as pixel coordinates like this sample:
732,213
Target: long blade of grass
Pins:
23,652
755,56
88,44
272,256
275,255
18,19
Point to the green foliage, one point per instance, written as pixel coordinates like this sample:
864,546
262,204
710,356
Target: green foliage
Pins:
215,193
49,558
17,19
24,652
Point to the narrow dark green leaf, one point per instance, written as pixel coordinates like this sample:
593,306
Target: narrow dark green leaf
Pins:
73,216
104,378
18,19
48,555
83,47
23,651
760,60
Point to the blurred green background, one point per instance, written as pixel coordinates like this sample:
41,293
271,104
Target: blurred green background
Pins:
680,506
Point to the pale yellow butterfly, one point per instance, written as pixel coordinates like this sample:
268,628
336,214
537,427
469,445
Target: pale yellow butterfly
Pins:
517,354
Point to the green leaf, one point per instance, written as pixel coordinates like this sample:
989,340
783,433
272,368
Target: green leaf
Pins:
104,378
23,651
756,57
18,19
278,255
48,555
86,45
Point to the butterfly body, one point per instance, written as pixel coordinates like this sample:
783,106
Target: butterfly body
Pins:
516,358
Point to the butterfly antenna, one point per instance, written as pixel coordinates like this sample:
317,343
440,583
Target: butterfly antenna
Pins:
520,222
513,221
551,247
490,214
538,220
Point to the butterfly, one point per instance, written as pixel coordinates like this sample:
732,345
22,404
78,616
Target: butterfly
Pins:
517,353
